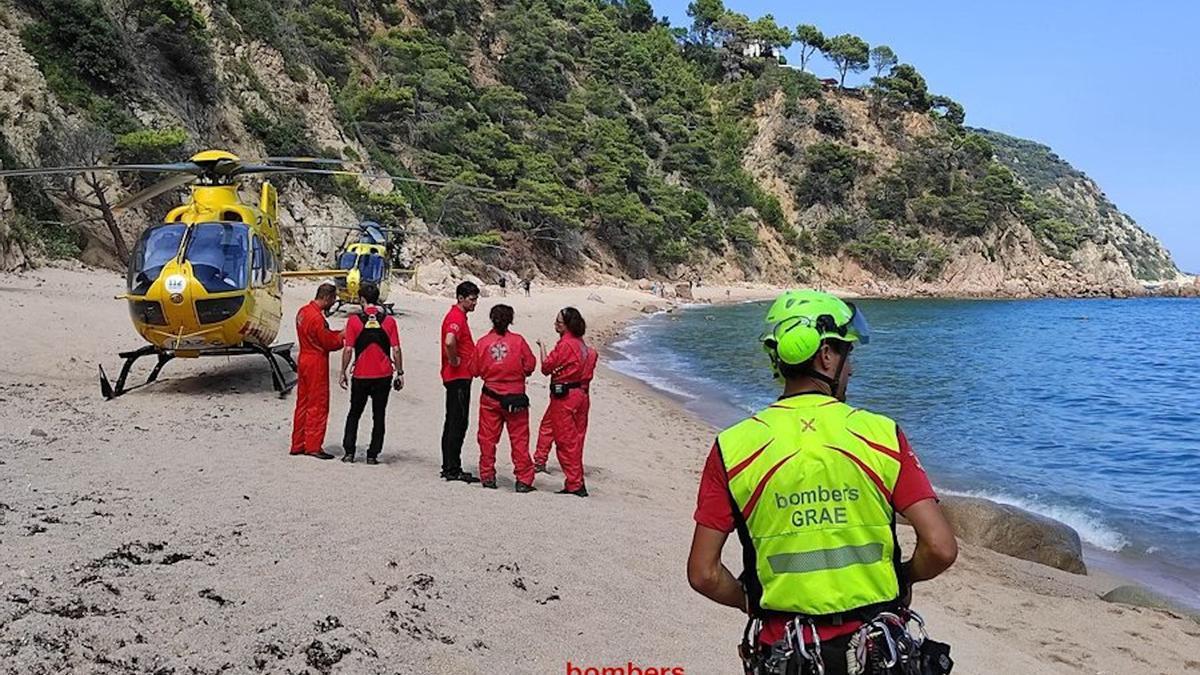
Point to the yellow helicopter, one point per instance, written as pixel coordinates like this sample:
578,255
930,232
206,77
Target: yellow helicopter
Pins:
368,259
207,280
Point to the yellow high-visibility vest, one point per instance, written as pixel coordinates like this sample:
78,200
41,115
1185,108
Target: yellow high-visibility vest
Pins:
812,480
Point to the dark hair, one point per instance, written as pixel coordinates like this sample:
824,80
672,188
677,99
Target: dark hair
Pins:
369,292
502,318
326,291
466,289
573,320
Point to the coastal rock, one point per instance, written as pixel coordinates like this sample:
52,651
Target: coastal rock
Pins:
683,291
1138,596
1015,532
651,309
595,297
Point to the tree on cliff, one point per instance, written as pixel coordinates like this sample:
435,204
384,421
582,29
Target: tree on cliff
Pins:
811,40
883,58
86,146
848,53
705,15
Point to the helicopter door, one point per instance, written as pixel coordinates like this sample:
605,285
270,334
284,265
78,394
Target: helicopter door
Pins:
258,264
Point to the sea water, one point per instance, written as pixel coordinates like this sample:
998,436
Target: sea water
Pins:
1087,411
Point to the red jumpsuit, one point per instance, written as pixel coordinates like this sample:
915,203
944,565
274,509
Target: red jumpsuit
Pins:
503,362
566,419
312,387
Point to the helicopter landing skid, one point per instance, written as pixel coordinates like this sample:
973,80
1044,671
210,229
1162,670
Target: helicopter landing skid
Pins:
110,392
281,383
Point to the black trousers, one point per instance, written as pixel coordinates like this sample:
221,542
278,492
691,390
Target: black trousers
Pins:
454,431
376,389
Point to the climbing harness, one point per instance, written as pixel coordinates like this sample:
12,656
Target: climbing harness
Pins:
884,645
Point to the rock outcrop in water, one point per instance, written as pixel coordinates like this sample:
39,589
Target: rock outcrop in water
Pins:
1015,532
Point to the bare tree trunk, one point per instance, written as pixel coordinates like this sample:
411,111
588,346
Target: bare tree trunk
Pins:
106,213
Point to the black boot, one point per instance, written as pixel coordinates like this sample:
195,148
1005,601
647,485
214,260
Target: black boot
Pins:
348,458
524,487
581,492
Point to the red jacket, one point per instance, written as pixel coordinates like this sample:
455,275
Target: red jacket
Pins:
571,360
313,332
503,362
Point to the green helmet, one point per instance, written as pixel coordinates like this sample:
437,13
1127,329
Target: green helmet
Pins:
798,321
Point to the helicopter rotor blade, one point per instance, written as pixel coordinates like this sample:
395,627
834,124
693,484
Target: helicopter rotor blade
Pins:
267,168
304,160
161,187
186,167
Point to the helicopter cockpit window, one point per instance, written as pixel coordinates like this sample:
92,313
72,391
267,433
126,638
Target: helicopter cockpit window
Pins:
219,254
347,261
155,248
371,267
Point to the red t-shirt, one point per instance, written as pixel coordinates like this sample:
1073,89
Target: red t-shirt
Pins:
456,322
714,510
571,360
503,362
373,362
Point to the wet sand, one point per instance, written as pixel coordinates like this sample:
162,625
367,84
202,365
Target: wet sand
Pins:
169,531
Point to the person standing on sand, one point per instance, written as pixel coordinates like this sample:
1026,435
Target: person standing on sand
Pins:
571,367
457,348
527,283
812,487
373,341
312,385
503,361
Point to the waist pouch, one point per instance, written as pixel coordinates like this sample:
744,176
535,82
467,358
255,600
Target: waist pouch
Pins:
560,389
509,402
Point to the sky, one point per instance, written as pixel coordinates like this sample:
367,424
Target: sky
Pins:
1112,87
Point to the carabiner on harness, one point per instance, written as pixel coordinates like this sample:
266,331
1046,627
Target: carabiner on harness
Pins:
795,638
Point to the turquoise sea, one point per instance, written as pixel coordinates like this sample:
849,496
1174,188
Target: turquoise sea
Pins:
1087,411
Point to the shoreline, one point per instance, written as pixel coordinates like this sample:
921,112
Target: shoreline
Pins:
1111,565
169,529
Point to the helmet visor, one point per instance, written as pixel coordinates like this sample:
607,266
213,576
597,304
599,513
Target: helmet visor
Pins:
858,327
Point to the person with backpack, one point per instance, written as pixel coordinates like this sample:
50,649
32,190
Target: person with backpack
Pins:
373,342
813,487
503,360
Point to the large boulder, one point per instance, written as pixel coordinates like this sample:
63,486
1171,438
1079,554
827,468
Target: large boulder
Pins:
683,291
1143,597
1015,532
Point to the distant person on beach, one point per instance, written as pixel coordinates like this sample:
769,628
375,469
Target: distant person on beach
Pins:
312,385
527,283
503,360
503,281
373,342
813,486
571,366
457,348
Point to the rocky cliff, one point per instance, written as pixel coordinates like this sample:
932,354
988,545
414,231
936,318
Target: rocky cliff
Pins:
623,147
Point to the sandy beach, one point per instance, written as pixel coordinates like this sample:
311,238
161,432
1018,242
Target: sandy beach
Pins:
168,531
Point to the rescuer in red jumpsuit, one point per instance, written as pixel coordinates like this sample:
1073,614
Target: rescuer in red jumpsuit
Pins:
503,360
571,366
312,386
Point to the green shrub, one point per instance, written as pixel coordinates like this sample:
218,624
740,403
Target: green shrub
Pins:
1064,236
287,136
831,175
149,146
475,243
828,120
903,258
742,233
